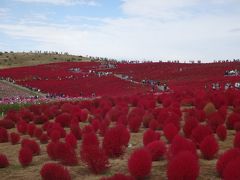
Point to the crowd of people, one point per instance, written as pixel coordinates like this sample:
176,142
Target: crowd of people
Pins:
234,72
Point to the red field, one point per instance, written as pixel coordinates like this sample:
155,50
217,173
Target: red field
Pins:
58,78
129,132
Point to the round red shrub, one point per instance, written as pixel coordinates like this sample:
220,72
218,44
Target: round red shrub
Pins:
134,123
154,125
7,123
38,132
66,154
25,156
150,136
55,135
76,131
232,119
140,163
32,145
30,129
170,130
52,150
14,138
95,158
115,140
3,161
180,144
22,126
53,171
214,120
64,119
221,132
209,147
84,115
44,138
183,166
236,141
231,171
71,140
189,125
199,133
3,135
157,149
225,158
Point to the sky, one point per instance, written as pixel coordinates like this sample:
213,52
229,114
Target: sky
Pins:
154,30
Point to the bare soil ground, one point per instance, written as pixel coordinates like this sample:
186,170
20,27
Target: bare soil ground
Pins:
118,165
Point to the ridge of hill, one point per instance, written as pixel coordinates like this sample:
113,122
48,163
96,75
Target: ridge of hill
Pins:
19,59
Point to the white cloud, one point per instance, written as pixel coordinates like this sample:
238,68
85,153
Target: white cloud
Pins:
4,12
169,9
62,2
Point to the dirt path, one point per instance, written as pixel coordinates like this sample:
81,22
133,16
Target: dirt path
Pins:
8,89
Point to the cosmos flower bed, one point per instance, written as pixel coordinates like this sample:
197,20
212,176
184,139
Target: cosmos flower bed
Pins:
126,137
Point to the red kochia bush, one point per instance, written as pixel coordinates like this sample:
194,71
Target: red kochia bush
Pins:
189,125
32,145
22,126
52,150
157,149
236,141
115,140
150,136
209,147
199,133
95,158
180,144
25,156
140,163
14,138
64,119
170,130
44,138
231,172
221,132
7,123
66,154
3,161
232,119
71,140
183,166
225,158
53,171
134,123
3,135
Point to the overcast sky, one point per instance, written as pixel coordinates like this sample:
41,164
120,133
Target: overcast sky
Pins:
131,29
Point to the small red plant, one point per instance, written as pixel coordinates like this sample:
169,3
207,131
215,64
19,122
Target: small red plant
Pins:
3,161
157,149
209,147
170,130
25,156
3,135
236,142
32,145
231,172
150,136
53,171
140,163
221,132
225,158
183,166
14,138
